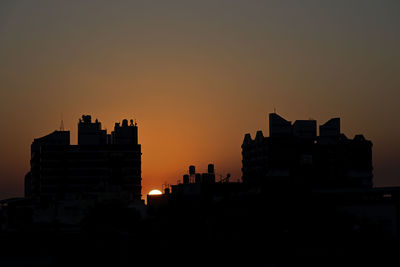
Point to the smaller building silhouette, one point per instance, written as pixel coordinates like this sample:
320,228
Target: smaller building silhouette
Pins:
195,189
293,154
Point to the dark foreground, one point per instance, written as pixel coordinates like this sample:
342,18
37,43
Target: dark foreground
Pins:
253,230
111,249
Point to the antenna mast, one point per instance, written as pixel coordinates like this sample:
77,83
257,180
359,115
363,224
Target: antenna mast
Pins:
62,123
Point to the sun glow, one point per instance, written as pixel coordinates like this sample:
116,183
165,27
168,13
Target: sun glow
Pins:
155,192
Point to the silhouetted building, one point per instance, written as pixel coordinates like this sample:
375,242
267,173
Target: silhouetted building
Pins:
196,189
294,154
92,171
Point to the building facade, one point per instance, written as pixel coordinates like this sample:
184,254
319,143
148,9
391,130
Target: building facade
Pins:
293,154
101,166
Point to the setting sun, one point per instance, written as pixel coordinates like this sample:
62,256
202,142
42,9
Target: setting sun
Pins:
155,192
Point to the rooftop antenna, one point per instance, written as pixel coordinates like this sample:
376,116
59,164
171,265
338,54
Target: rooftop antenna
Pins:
62,123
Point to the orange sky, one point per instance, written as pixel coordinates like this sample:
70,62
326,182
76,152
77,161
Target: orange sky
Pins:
197,76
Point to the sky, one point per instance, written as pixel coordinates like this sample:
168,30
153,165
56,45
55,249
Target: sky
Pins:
197,76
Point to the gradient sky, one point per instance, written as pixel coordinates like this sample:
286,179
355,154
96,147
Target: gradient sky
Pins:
197,76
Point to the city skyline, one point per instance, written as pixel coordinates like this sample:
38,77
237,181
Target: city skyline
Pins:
220,175
197,77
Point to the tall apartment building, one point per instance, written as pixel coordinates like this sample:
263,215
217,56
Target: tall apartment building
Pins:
293,154
101,166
